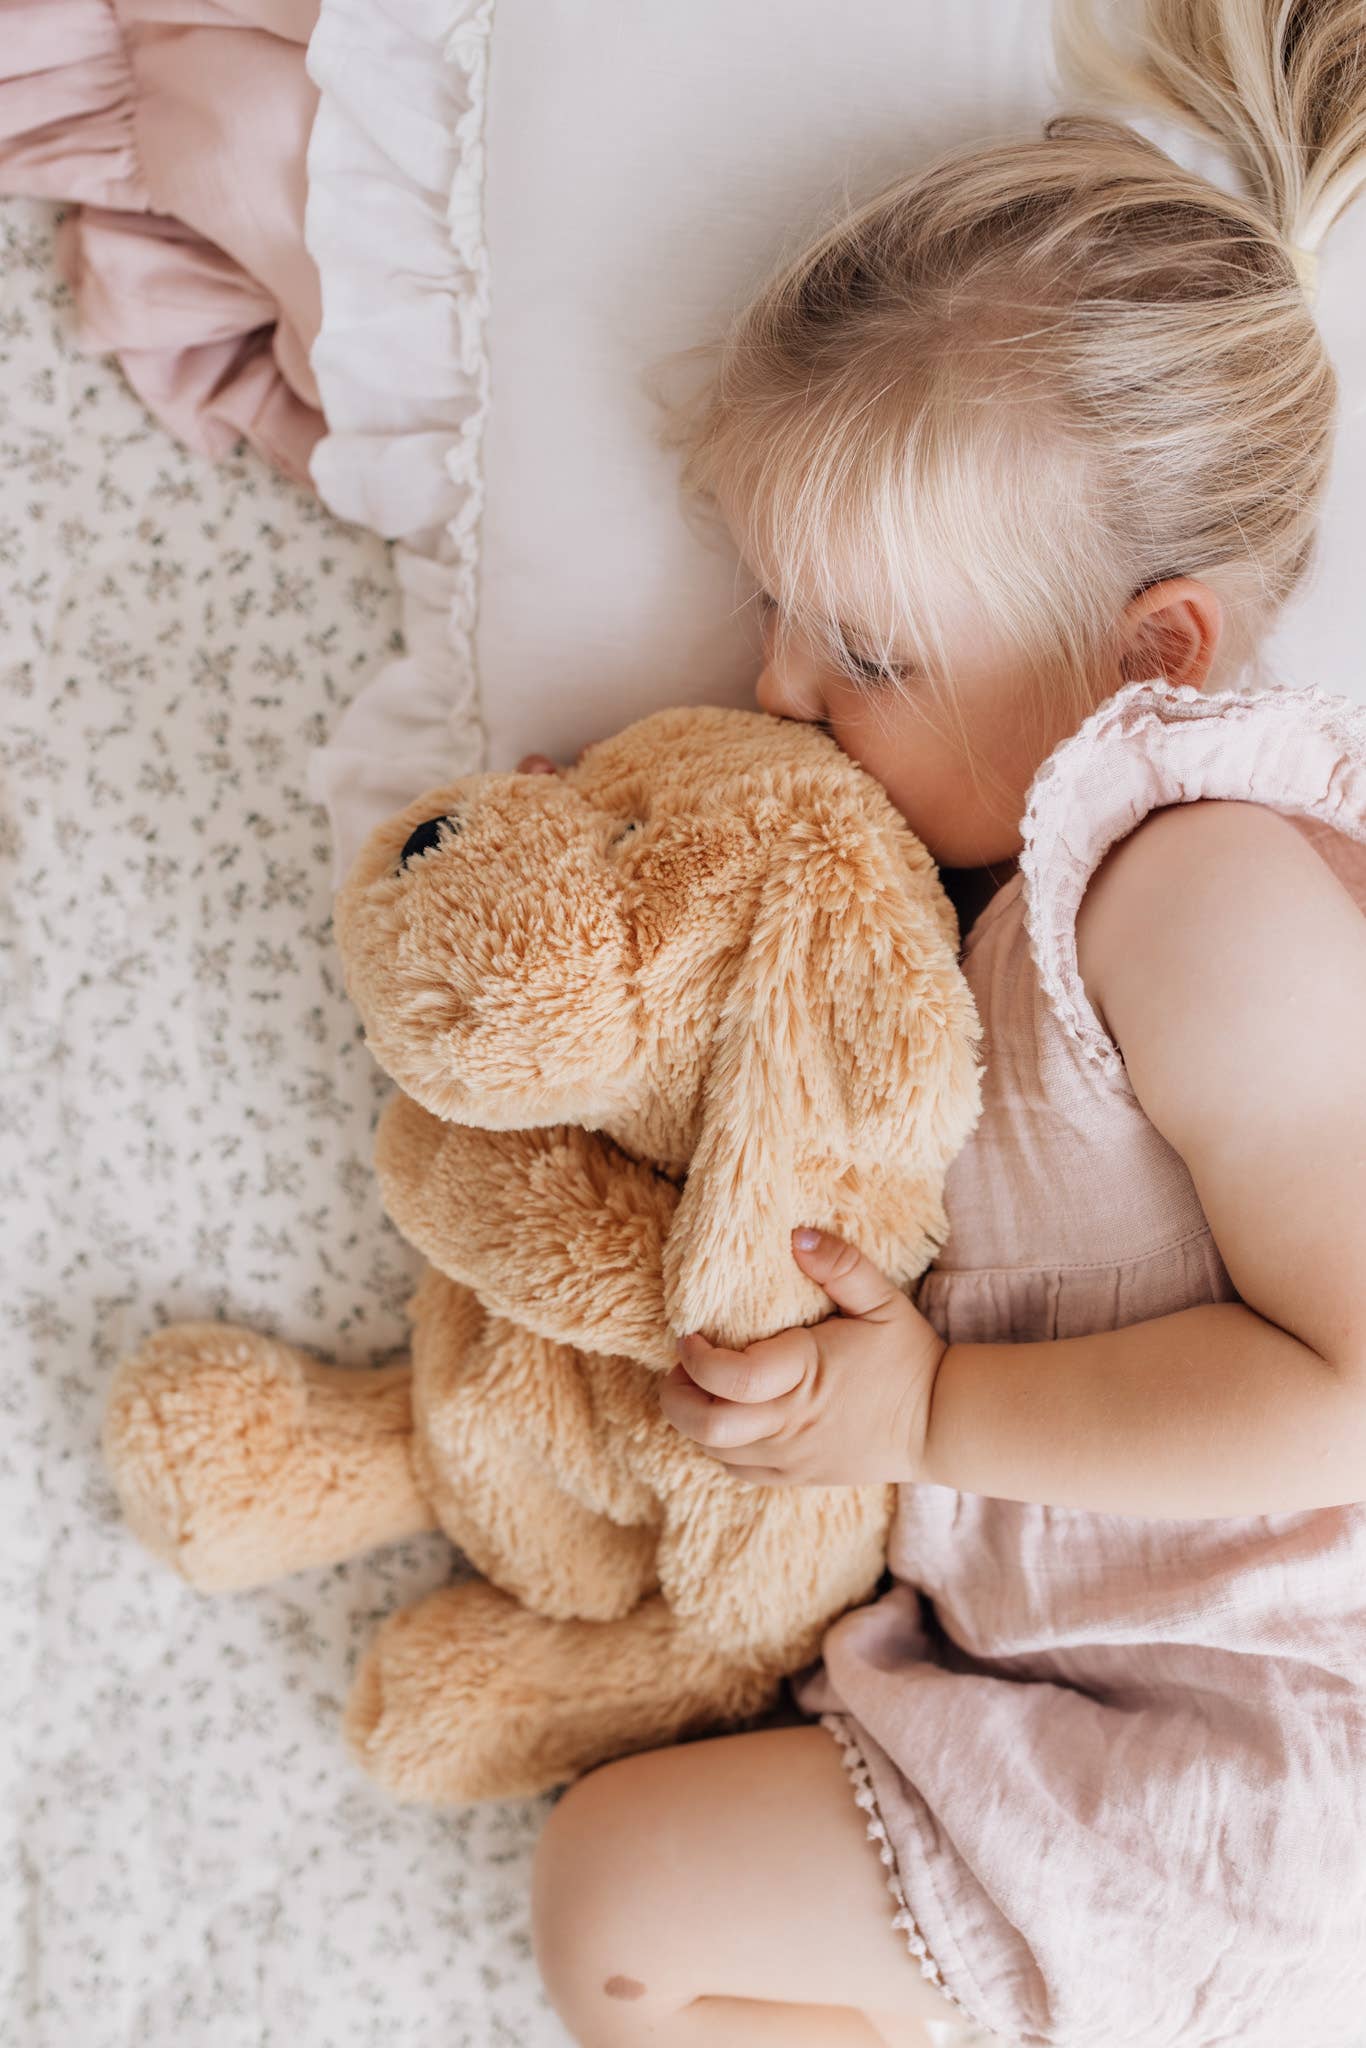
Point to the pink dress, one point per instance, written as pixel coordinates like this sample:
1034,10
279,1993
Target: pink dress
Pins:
1116,1767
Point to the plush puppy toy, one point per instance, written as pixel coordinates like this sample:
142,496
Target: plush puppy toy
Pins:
645,1018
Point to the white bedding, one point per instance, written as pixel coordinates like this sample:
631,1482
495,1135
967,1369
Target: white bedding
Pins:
493,289
190,1859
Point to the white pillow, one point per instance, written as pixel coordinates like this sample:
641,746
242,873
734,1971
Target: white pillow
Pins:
642,168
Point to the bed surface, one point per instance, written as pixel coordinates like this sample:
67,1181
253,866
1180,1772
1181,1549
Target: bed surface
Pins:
185,1125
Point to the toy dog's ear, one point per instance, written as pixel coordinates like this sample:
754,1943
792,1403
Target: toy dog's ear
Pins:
842,1081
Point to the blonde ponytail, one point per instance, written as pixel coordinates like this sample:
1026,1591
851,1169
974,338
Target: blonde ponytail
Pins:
1280,85
1009,391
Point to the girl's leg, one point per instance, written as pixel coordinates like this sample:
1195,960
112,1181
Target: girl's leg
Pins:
724,1894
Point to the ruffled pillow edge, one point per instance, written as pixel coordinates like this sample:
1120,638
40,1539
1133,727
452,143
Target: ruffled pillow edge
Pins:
394,223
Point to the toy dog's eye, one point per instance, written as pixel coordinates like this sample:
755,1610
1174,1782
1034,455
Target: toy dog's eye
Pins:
620,838
425,838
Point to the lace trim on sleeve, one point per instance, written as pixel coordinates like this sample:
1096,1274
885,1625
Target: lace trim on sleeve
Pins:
1153,744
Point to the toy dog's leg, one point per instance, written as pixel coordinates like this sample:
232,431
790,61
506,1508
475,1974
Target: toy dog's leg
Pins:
516,1524
238,1458
469,1696
521,1463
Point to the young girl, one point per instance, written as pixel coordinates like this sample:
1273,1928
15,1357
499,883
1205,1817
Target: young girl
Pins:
1026,456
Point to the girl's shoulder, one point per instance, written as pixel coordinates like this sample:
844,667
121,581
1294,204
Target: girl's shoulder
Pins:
1191,932
1153,746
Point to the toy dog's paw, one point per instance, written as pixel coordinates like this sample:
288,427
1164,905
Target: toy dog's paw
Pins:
238,1458
469,1695
200,1422
440,1710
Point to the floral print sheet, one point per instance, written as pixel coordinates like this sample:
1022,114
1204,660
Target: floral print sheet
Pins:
186,1110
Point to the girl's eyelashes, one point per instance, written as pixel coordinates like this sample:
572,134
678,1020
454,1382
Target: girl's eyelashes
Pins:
873,671
867,669
877,671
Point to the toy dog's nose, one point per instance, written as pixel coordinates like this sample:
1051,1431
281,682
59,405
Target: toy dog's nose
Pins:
425,838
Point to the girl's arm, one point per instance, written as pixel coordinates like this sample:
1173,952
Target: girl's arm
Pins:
1228,963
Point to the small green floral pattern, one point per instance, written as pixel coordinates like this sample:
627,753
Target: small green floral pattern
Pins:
186,1111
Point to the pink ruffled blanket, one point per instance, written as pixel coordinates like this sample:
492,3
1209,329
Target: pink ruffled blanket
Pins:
180,127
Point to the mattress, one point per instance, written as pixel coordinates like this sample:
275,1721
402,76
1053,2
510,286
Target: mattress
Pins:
186,1110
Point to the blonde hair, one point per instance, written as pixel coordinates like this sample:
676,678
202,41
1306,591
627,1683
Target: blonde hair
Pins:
1037,377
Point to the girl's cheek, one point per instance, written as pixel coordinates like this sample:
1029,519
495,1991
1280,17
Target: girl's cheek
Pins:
875,752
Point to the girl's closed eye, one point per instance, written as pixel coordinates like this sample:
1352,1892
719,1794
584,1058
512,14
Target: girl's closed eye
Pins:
876,671
869,667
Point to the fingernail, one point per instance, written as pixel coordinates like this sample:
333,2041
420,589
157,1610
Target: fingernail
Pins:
806,1240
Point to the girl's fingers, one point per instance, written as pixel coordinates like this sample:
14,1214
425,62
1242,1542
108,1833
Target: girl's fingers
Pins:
848,1275
764,1371
716,1425
756,1475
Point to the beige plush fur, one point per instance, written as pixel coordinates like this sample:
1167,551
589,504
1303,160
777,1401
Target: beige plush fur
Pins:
645,1017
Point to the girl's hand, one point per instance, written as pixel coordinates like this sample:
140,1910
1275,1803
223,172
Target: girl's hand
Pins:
843,1403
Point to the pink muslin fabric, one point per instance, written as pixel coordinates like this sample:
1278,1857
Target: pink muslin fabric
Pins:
181,128
1115,1767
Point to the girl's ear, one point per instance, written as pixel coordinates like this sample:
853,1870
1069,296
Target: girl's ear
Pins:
1172,629
842,1081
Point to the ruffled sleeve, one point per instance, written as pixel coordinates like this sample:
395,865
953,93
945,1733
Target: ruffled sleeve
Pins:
1151,744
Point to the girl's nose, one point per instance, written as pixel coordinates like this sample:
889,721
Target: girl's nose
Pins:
789,681
787,696
537,764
